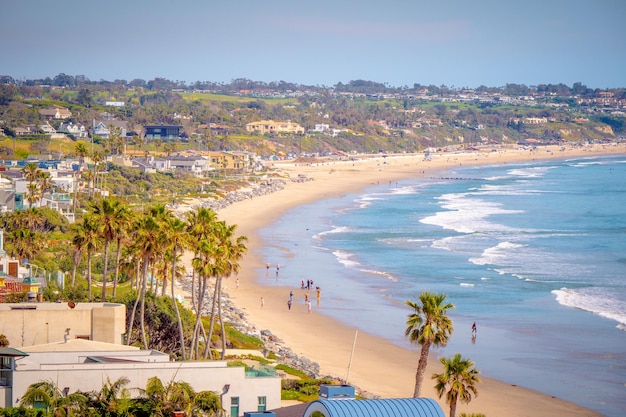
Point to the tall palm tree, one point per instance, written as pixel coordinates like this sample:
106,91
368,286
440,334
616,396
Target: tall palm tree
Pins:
150,237
110,217
44,182
86,238
200,227
177,241
459,378
125,221
427,325
229,251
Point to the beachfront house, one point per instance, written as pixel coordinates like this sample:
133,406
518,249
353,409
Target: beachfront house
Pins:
83,365
80,345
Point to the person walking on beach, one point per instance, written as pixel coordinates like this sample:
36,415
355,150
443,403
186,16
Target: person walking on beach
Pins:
262,303
290,295
474,328
308,307
289,305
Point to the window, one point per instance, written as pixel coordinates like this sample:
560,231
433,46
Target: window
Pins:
234,406
262,403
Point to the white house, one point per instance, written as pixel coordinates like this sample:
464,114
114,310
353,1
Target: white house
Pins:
83,365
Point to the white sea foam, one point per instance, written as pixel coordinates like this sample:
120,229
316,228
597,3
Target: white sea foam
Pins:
465,284
467,215
407,243
346,259
596,300
530,172
338,229
407,189
497,255
380,273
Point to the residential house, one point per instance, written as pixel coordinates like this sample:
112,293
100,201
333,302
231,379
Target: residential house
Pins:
196,165
163,132
77,130
47,129
269,126
230,161
83,365
106,128
55,112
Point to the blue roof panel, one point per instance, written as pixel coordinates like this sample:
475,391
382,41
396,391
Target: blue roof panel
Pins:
398,407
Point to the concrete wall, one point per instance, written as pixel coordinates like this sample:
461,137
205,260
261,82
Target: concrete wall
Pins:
47,322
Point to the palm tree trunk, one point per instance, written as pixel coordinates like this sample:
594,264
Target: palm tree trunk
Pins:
453,408
131,320
194,341
207,349
118,254
144,288
181,334
76,258
219,315
105,270
421,369
89,274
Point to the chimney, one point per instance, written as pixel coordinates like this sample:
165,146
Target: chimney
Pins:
66,336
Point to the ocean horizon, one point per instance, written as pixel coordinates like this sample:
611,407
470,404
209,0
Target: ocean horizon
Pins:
534,253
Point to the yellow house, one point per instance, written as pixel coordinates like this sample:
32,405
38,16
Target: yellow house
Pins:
229,160
270,126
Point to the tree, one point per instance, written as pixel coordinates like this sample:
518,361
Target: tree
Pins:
4,342
149,239
46,393
177,240
110,216
428,325
229,251
459,378
112,399
85,238
25,244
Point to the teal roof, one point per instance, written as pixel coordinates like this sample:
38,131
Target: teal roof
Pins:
398,407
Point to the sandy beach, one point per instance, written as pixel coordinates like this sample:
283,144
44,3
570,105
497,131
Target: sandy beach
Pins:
378,366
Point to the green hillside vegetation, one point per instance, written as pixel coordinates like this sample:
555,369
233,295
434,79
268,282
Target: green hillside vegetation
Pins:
369,116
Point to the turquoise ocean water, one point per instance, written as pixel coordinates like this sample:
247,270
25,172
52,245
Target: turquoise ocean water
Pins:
534,253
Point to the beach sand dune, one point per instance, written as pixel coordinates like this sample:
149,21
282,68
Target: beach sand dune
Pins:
378,366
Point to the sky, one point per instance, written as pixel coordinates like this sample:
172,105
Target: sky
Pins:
456,43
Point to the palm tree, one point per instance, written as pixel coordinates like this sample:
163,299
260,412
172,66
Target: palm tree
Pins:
230,250
427,325
25,244
180,396
45,183
149,238
86,238
112,399
459,378
177,240
110,217
125,221
200,224
46,393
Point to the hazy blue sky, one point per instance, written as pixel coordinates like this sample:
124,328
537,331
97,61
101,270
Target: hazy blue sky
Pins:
400,42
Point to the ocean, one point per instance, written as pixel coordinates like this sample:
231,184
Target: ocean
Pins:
534,253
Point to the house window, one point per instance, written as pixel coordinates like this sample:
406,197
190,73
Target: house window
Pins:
234,406
262,403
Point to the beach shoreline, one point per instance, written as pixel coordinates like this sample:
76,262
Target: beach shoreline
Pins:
376,365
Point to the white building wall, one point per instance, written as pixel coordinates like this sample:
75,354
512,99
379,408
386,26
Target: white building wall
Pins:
202,376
